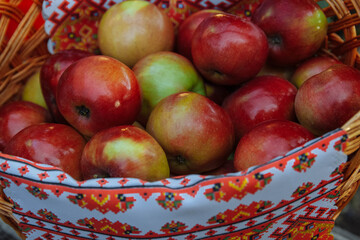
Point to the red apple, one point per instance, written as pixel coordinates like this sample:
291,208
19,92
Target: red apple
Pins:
260,99
196,134
267,141
311,67
187,28
227,167
130,30
329,99
228,49
50,74
55,144
124,151
17,115
98,92
295,29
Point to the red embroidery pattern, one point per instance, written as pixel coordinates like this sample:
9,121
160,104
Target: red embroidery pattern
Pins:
107,227
37,192
170,200
304,161
103,201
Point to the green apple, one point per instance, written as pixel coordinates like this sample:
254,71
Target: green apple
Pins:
130,30
32,90
162,74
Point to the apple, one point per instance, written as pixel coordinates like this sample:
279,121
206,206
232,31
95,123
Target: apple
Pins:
228,49
17,115
50,74
226,168
329,99
311,67
124,151
196,134
187,28
130,30
267,141
161,74
32,90
261,99
295,29
283,72
55,144
217,93
98,92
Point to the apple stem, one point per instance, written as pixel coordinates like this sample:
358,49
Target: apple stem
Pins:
83,111
274,40
217,73
180,159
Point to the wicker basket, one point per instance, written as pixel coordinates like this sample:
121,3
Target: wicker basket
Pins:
24,49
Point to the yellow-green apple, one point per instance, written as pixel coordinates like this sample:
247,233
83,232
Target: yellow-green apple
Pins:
228,49
187,28
55,144
130,30
295,29
32,90
124,151
267,141
311,67
261,99
17,115
98,92
196,134
161,74
50,74
328,99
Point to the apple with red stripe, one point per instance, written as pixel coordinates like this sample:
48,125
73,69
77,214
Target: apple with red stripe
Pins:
295,29
311,67
98,92
17,115
329,99
55,144
268,140
124,151
196,134
228,49
260,99
187,29
50,73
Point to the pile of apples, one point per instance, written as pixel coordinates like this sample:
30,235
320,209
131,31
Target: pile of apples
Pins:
219,94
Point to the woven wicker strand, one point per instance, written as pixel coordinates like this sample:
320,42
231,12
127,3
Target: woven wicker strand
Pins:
24,52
